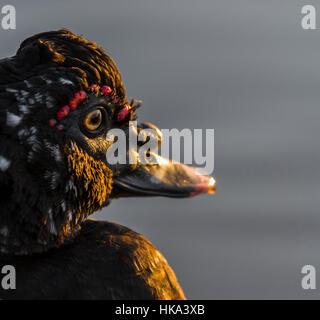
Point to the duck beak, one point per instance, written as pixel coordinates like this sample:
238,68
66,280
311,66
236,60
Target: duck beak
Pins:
162,177
165,179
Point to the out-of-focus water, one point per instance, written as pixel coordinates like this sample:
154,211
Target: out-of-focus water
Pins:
247,69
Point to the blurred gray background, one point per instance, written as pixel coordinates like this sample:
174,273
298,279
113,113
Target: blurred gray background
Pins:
247,69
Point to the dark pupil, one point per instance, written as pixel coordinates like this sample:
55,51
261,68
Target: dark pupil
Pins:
95,118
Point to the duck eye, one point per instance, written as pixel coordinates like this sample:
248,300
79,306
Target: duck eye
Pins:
93,120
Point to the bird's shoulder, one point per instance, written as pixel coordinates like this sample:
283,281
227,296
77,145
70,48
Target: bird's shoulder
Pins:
134,258
105,261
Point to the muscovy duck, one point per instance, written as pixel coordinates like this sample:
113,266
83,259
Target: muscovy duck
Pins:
59,96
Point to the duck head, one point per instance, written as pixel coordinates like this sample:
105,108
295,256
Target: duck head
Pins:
60,95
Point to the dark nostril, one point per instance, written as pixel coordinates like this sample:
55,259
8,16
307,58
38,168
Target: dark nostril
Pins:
157,135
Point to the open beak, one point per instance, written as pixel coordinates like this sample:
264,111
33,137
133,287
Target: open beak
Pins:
162,177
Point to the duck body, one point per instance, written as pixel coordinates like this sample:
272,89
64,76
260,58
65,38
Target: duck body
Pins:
105,261
60,97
